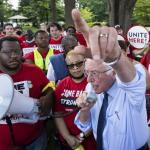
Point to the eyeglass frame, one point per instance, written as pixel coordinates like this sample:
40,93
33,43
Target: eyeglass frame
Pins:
78,65
95,74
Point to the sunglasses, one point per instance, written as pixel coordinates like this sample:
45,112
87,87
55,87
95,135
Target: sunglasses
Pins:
78,64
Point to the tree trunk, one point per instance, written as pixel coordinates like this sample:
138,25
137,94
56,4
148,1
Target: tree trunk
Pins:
120,12
69,5
53,10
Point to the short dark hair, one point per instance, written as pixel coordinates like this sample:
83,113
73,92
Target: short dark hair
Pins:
7,24
72,27
39,31
29,31
54,24
8,38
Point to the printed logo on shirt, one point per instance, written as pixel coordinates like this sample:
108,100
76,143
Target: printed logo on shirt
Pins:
68,97
28,50
56,47
68,102
71,93
23,87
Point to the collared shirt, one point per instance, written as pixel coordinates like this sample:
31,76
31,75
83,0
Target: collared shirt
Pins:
126,127
50,73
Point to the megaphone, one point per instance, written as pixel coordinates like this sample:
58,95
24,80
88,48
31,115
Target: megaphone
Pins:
12,101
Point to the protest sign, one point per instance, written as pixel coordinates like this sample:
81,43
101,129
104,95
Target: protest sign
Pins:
138,36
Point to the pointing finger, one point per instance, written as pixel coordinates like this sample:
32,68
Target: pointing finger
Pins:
94,42
80,24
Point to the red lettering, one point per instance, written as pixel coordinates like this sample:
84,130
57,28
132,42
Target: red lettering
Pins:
136,40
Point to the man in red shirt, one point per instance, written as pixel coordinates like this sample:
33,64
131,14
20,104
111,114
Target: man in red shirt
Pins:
29,80
55,37
66,93
28,44
41,55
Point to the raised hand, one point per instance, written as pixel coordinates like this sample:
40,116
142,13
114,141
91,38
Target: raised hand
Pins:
102,41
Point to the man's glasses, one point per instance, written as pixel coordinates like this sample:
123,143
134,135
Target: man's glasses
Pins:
95,74
78,65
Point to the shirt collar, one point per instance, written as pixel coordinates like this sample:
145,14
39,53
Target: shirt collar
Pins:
112,90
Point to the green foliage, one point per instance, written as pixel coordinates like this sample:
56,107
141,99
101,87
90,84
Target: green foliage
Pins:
148,28
39,11
97,7
87,14
35,10
60,11
94,11
29,26
141,13
5,11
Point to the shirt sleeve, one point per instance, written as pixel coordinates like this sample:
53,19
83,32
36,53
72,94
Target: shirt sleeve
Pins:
137,87
82,126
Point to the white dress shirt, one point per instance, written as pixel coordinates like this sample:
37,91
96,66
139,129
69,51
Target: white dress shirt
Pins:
126,127
50,73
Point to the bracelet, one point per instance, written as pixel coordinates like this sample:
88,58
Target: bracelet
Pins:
115,61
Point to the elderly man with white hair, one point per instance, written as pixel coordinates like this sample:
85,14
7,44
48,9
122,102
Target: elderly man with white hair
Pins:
117,113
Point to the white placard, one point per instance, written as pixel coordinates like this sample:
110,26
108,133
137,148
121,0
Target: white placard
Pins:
138,36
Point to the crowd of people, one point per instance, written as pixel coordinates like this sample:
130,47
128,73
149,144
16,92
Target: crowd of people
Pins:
89,83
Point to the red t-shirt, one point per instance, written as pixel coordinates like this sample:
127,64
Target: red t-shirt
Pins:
26,44
24,133
21,39
145,60
28,47
56,45
66,93
81,39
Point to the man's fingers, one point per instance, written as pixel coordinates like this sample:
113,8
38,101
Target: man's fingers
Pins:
103,40
78,21
94,42
111,44
81,100
80,24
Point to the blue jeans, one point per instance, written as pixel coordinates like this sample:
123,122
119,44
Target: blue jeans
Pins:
39,144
